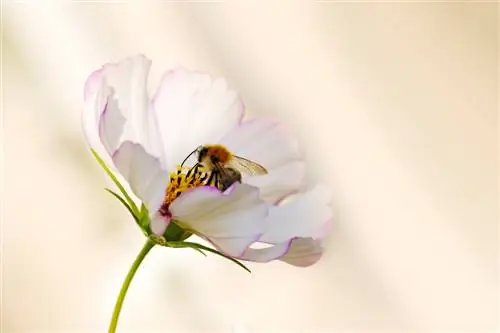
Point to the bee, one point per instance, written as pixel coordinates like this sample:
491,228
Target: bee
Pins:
224,167
228,177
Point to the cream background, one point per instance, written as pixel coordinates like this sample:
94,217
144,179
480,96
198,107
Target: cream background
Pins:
395,105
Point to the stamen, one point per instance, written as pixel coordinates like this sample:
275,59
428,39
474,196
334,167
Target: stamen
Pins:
185,178
180,181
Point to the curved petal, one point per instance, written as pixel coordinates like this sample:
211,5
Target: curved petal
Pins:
232,220
128,79
117,105
269,143
193,109
143,173
280,182
305,215
102,122
267,254
92,84
304,252
111,124
301,252
158,224
263,140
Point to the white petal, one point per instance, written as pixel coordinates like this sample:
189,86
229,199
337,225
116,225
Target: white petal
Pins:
304,252
128,79
102,122
266,254
158,224
296,228
193,109
143,173
306,215
111,125
263,140
232,221
301,252
92,84
125,115
270,144
280,182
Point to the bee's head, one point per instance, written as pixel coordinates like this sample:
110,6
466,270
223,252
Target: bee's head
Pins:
202,152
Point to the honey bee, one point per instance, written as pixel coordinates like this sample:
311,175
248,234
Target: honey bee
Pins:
224,167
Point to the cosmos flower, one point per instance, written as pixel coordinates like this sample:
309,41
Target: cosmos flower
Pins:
275,216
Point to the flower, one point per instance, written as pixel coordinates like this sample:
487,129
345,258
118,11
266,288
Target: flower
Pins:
263,218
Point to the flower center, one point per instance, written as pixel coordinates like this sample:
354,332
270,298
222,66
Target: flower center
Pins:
181,180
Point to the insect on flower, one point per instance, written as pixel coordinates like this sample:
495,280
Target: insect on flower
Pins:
232,193
227,197
222,167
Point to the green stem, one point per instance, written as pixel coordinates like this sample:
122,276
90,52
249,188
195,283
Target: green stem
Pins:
126,283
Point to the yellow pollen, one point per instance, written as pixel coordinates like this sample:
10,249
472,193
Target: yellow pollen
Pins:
181,180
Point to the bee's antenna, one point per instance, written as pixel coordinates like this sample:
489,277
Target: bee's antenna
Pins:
191,153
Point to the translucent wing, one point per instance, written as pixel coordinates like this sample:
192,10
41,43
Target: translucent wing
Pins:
246,166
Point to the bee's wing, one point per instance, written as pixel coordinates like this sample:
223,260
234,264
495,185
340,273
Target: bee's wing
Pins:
219,168
246,166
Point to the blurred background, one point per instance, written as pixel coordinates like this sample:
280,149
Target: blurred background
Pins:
395,106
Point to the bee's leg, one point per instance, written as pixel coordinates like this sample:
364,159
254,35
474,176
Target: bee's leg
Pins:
211,178
203,178
217,180
193,170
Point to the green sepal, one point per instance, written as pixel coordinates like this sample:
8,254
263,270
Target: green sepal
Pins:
206,248
128,199
117,196
144,218
184,245
175,233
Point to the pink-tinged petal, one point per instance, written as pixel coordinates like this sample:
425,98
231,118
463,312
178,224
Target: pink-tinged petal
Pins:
143,173
232,221
159,224
263,140
111,125
128,78
280,182
102,122
305,215
92,83
269,143
296,228
267,254
192,109
304,252
125,115
94,105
